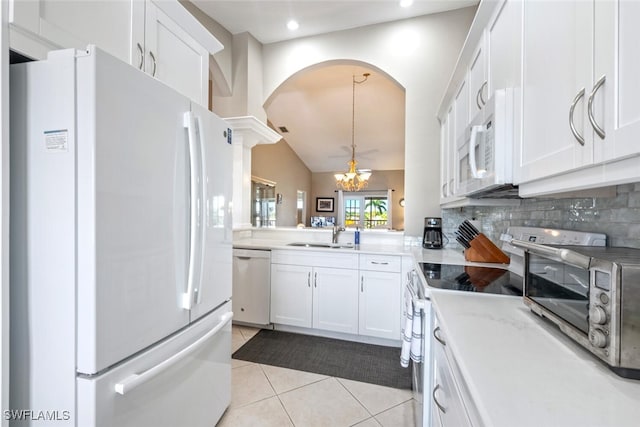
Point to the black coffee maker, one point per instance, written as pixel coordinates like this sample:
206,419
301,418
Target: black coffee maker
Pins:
432,237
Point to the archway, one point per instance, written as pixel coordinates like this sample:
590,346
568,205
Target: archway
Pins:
312,110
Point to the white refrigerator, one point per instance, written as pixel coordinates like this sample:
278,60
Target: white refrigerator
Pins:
121,248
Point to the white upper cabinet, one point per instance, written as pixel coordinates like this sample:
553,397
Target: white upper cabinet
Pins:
503,46
173,56
477,79
556,135
447,158
162,39
617,59
41,25
580,98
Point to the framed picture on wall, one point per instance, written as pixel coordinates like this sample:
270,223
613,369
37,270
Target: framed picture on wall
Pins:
324,204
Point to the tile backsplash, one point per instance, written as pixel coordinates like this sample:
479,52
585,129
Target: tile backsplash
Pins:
617,216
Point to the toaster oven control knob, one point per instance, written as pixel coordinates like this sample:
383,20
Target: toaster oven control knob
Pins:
597,315
597,338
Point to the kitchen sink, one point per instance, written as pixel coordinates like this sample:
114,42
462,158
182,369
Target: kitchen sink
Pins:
322,245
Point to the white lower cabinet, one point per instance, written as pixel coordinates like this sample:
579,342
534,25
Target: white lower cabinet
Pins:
291,295
312,296
335,299
380,304
449,401
328,292
380,296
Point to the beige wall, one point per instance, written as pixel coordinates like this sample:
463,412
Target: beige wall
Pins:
324,185
279,163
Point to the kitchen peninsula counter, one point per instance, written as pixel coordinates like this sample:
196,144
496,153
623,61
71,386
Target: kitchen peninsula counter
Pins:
522,371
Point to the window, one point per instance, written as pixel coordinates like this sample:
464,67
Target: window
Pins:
366,211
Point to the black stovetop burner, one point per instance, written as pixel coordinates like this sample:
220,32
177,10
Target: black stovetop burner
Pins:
467,278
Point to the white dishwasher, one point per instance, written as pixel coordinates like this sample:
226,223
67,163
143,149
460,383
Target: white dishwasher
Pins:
251,286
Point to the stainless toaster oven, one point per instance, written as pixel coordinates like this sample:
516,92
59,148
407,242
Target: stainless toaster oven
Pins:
592,294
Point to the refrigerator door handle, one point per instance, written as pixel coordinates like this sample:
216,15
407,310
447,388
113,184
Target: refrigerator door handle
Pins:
189,123
132,381
203,229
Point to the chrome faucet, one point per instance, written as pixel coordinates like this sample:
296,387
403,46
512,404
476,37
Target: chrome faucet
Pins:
336,230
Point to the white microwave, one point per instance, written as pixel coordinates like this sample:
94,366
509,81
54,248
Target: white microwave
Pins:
485,151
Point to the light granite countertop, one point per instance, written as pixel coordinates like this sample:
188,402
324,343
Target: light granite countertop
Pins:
522,371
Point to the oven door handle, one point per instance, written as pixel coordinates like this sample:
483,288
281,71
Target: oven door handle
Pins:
559,254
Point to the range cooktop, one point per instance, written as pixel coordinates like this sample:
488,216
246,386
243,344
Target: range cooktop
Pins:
466,278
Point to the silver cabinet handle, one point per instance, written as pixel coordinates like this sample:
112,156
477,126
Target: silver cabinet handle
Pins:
153,58
379,263
435,335
141,56
315,280
444,191
571,110
482,101
478,100
361,283
309,279
435,399
592,119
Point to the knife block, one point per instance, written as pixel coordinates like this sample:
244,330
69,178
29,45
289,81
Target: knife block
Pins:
483,250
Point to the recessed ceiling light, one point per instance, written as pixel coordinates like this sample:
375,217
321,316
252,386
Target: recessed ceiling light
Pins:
406,3
292,25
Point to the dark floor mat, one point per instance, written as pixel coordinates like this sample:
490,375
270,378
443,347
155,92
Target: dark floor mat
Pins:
368,363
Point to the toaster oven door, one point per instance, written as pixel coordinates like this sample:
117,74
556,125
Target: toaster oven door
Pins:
561,288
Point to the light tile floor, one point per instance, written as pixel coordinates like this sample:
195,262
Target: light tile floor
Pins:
265,396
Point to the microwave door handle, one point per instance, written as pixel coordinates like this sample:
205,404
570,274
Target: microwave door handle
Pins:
563,255
472,151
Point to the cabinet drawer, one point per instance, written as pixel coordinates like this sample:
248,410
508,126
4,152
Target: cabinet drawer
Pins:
380,262
315,259
445,395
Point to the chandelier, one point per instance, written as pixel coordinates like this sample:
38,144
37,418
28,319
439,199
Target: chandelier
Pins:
355,179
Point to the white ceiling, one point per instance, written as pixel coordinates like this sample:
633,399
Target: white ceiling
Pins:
267,20
315,106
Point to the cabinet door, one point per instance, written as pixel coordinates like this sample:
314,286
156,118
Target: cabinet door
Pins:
460,114
335,299
174,57
75,23
379,304
448,168
477,80
444,159
446,398
617,58
504,52
556,67
291,295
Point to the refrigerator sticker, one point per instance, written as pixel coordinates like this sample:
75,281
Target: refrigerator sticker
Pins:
56,140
